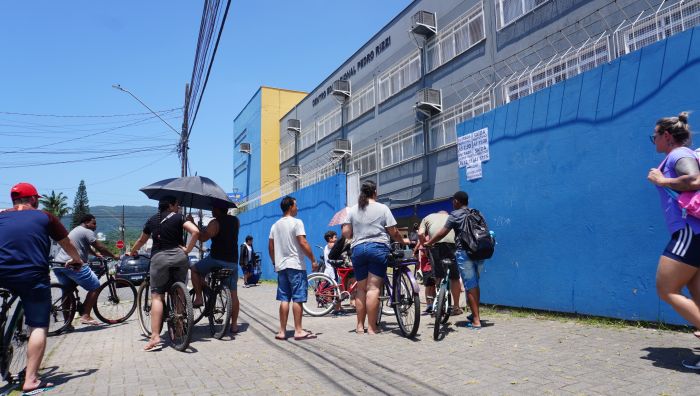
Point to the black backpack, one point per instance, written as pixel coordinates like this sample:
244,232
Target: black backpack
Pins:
476,237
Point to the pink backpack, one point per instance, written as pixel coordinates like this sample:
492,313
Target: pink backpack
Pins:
688,201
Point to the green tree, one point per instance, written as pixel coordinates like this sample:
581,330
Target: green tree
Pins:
80,205
57,205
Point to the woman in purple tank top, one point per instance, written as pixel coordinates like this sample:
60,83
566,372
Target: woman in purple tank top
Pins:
678,265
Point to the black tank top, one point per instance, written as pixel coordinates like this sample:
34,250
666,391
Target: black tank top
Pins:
224,246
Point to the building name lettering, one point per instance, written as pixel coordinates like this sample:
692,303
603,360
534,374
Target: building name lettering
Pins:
364,61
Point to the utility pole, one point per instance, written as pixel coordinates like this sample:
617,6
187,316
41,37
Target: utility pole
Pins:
122,229
184,136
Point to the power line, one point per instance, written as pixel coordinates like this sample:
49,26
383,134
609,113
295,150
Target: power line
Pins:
82,159
88,116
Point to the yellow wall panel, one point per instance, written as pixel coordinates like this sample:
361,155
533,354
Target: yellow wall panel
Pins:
275,104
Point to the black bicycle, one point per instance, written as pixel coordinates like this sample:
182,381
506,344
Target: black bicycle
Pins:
177,311
443,304
116,299
13,343
217,301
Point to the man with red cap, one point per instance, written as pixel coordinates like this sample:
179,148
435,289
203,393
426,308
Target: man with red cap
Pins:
24,269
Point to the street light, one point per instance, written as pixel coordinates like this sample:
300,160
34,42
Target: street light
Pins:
184,137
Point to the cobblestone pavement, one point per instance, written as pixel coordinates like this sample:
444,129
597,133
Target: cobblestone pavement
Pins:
509,356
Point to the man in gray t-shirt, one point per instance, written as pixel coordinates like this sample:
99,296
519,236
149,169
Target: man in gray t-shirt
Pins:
84,240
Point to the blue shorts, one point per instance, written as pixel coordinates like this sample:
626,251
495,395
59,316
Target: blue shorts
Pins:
205,266
84,277
292,285
35,294
468,269
370,257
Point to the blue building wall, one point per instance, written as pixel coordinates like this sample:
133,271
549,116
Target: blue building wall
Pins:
579,227
246,128
317,205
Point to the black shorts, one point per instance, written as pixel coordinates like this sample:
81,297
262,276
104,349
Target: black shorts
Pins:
444,251
684,246
429,278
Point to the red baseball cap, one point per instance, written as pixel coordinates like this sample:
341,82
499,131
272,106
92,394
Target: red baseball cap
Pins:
23,190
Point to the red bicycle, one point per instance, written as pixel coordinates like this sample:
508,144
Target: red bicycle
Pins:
325,293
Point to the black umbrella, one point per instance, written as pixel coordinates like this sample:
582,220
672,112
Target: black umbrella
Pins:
192,191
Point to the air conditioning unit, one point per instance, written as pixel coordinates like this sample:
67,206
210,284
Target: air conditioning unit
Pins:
294,171
244,148
293,125
341,90
424,23
429,101
341,147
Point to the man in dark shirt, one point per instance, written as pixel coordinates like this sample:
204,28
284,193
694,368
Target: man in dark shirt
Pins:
24,268
246,259
223,232
469,269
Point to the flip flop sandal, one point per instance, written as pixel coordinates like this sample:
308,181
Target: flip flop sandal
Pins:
471,326
154,347
43,387
307,336
92,322
281,338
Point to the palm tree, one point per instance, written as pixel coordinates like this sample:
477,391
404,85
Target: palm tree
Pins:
55,204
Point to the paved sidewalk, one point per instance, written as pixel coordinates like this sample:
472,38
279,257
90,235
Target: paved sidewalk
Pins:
509,356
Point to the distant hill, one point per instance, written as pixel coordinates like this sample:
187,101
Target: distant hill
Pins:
109,219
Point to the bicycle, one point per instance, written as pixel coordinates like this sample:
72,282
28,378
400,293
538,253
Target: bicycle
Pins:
401,292
217,304
116,299
442,307
177,311
13,343
325,292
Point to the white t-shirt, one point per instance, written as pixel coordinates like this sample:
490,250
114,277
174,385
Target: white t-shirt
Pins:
288,253
369,225
330,271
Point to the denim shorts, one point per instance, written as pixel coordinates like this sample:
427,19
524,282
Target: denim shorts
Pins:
204,266
84,277
370,257
292,285
35,293
468,269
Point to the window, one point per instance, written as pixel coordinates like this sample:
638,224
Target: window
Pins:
405,73
241,137
361,102
239,169
329,123
456,38
669,21
365,161
403,146
508,11
286,151
307,138
571,63
443,128
321,173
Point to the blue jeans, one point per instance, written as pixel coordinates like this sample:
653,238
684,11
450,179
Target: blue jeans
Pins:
292,285
370,257
204,266
468,269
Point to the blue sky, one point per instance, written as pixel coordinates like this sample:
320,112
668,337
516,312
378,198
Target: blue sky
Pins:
61,58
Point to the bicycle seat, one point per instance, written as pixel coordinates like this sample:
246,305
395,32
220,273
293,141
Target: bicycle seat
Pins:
221,273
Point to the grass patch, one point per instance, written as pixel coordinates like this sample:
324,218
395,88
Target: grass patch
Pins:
590,320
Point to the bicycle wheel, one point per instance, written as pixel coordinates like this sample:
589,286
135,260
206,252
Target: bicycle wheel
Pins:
15,339
198,312
442,310
220,314
407,306
322,294
180,316
116,301
144,307
62,310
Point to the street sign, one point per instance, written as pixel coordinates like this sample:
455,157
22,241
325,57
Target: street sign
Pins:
120,244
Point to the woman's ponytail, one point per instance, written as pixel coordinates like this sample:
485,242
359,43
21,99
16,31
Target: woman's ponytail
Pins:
367,191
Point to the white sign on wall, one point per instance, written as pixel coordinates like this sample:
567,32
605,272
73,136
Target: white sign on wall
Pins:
473,147
474,170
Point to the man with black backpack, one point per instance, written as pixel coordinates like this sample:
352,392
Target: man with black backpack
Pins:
474,243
